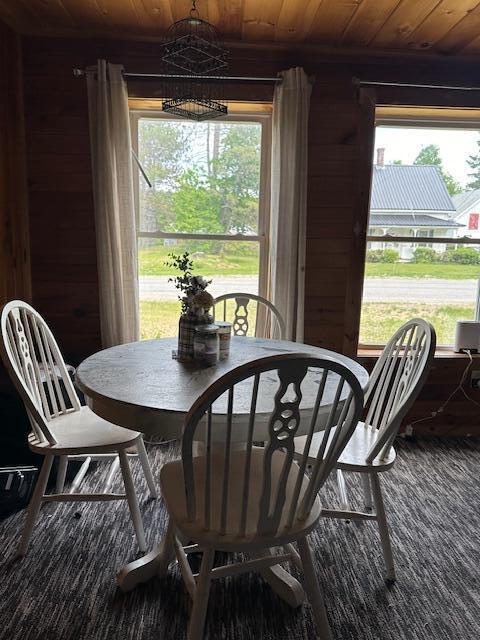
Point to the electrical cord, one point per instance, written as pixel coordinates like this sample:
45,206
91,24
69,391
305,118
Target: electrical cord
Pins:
459,387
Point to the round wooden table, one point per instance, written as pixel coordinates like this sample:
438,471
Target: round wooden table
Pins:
140,386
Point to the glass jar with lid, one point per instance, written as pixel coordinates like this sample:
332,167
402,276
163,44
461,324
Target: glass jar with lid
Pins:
224,335
206,344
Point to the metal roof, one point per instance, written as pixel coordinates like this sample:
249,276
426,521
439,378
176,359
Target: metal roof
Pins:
410,220
409,188
466,201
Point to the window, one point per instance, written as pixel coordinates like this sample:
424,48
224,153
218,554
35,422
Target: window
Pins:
423,243
208,195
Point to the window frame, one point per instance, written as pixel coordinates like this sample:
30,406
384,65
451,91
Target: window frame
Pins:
420,118
262,117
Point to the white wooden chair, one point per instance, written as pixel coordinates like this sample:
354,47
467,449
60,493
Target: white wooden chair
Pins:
268,320
396,380
252,499
60,425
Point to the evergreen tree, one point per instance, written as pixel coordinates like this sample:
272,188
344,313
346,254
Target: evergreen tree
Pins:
474,163
430,155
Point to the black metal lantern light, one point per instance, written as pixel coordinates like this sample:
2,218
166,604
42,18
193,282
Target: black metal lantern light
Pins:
192,47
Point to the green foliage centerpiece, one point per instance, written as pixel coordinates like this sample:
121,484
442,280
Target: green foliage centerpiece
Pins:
196,303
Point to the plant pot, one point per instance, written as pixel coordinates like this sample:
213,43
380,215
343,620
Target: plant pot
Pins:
186,333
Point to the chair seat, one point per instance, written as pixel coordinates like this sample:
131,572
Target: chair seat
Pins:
84,432
353,457
173,491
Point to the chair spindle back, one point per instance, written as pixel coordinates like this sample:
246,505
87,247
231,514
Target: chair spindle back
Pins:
286,493
267,321
396,380
32,358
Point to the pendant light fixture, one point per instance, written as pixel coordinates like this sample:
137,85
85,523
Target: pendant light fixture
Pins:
193,49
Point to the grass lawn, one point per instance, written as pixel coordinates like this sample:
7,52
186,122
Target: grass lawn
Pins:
159,319
151,262
380,320
412,270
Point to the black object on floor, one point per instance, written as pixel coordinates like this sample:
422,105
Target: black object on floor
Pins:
16,487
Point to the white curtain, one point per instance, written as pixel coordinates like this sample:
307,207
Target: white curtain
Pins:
114,203
288,218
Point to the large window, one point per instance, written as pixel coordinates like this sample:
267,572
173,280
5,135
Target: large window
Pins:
204,190
423,244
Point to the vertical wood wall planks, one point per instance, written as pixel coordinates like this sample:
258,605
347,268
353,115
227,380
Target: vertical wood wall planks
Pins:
14,234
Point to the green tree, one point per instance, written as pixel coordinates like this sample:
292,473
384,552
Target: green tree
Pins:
474,164
196,204
205,178
162,145
396,162
430,155
236,177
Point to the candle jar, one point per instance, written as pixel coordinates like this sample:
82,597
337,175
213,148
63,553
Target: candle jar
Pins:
206,344
224,335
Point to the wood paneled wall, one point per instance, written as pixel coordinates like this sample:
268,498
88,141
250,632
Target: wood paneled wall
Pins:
63,246
14,237
341,134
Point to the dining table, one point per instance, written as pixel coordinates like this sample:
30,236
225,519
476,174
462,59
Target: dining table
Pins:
141,386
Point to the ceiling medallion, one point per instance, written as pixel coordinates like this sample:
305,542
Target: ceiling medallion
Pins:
193,48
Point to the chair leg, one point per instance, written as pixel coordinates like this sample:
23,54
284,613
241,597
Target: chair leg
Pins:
34,506
61,473
200,603
147,470
313,590
342,490
383,527
132,500
168,552
367,492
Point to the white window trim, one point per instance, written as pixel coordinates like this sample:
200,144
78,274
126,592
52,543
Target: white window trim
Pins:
262,237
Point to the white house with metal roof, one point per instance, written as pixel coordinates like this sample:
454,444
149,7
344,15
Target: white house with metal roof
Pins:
468,212
411,201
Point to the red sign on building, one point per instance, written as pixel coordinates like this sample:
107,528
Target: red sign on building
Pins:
473,221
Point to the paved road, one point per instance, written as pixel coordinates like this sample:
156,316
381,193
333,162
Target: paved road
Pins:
419,290
375,290
158,287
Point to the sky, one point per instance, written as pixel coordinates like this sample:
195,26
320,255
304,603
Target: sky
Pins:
404,143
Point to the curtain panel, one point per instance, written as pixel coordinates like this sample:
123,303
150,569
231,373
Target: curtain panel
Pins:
111,147
288,219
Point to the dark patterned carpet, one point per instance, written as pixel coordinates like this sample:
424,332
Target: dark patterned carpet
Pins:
65,587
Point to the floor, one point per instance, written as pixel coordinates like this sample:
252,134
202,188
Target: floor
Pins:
65,587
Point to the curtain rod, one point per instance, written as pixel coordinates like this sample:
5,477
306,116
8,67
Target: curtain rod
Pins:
367,83
172,76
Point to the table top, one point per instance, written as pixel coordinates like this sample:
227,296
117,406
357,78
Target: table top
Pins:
140,386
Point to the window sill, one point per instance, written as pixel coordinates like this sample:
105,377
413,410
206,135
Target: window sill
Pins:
440,354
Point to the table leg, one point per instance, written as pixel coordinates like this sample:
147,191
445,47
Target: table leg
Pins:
154,564
141,570
283,583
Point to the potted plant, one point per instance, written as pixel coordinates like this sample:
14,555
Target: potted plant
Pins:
196,303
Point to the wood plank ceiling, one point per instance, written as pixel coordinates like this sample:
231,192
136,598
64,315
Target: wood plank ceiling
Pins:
442,26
